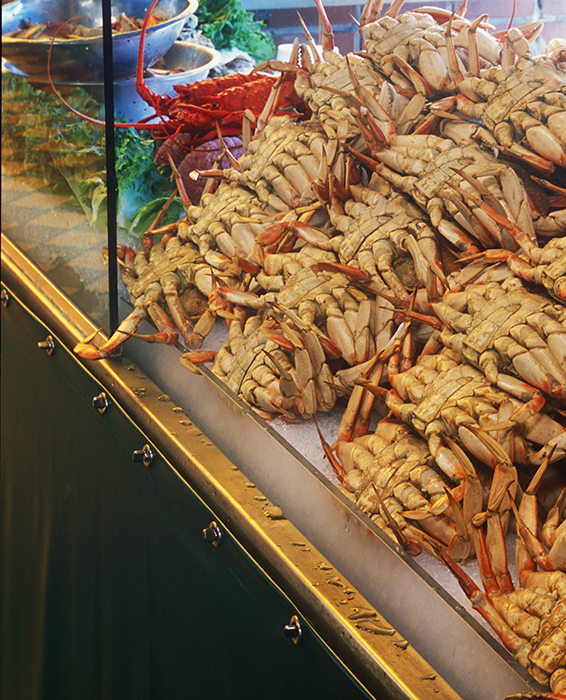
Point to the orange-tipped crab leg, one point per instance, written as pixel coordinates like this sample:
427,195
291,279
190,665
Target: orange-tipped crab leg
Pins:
373,106
453,66
552,522
481,603
190,360
355,419
411,546
241,298
166,333
441,16
171,285
530,551
366,404
504,480
180,184
334,463
394,8
533,547
470,491
327,34
370,12
473,52
89,351
144,306
283,94
310,40
521,237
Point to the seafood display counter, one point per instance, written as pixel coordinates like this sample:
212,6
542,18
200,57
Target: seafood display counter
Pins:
390,628
160,537
372,623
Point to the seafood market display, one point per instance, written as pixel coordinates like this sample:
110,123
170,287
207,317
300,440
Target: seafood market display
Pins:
395,247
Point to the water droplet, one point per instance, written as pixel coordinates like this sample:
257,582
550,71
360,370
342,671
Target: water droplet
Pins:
260,498
273,512
305,549
362,614
176,409
163,397
324,566
185,422
131,368
402,644
298,544
139,392
334,581
250,485
375,628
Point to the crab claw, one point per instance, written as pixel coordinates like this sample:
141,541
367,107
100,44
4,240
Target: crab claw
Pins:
87,350
190,360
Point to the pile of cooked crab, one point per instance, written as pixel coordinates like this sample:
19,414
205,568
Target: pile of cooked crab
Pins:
401,253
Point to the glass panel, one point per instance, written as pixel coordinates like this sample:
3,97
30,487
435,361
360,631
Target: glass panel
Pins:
53,161
52,179
54,165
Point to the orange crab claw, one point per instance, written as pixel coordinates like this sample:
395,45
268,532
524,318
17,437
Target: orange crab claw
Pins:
190,360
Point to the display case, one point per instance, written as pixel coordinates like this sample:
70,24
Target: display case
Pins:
160,537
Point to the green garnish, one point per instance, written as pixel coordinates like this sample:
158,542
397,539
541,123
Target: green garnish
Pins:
227,24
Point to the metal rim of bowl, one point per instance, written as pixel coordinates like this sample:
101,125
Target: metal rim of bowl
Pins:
189,10
215,59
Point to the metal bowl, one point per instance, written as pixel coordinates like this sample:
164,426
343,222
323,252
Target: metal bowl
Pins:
82,60
194,60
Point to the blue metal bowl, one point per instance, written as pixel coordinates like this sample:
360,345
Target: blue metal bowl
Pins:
82,60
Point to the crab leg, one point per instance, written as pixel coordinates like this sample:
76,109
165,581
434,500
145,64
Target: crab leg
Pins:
327,33
87,350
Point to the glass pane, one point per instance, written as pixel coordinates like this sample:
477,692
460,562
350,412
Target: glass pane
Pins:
54,168
53,161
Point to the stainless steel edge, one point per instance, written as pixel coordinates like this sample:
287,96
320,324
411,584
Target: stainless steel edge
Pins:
371,648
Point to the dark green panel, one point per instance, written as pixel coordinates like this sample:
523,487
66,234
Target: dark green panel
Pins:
108,590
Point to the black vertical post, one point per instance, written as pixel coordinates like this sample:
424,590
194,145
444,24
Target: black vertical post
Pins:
111,182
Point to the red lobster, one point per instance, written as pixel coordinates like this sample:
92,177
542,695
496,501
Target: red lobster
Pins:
201,108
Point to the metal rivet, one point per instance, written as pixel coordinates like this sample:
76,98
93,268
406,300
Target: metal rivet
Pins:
213,534
4,298
48,345
293,629
144,456
101,402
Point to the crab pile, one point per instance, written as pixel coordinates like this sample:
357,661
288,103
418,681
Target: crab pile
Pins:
401,254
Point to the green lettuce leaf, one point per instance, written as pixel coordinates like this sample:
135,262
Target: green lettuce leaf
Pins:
66,151
227,24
